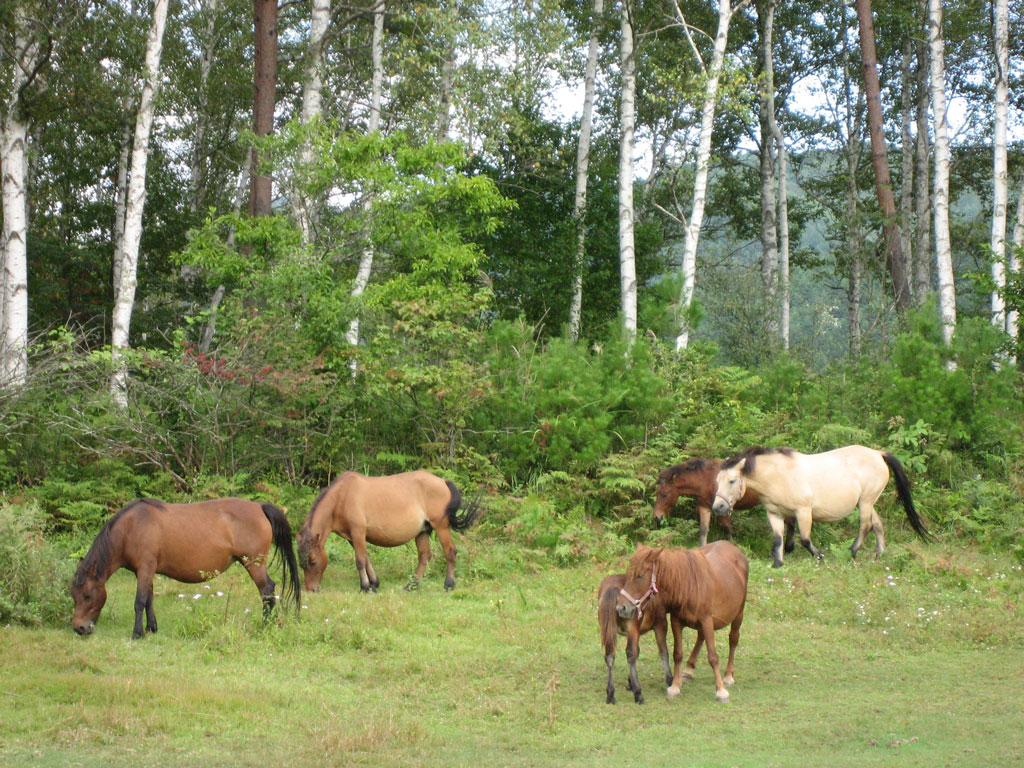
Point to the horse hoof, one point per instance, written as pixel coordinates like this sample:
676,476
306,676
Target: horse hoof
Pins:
610,699
686,675
639,698
729,680
672,691
722,696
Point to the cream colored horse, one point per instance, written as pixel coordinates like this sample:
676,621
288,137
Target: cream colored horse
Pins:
818,486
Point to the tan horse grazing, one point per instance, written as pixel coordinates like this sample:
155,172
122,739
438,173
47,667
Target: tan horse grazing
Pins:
187,542
704,589
818,486
386,511
696,478
612,625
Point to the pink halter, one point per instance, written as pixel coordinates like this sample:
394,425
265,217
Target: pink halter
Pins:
652,590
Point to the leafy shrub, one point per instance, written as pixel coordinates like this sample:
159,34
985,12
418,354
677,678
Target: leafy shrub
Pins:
33,575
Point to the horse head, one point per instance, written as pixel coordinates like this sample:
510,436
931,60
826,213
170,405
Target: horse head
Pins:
666,495
641,579
312,557
729,486
89,593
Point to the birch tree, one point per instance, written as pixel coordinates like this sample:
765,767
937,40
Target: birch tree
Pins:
700,181
582,171
124,295
940,195
922,177
627,127
312,108
999,183
23,64
372,126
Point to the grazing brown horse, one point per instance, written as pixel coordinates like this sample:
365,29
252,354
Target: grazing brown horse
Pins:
187,542
704,589
696,478
816,486
386,511
612,625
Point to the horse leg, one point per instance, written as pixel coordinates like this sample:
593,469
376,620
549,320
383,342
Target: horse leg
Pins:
660,634
363,562
632,651
708,631
726,521
734,640
803,520
876,524
705,522
865,526
423,551
257,569
444,535
677,657
609,659
372,575
691,663
777,526
144,601
790,545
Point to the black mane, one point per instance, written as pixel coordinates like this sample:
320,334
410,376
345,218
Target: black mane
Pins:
97,560
751,454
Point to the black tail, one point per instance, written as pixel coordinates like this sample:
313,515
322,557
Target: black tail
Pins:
903,491
469,516
283,543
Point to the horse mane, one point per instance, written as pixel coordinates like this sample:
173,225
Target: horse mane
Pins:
97,559
682,468
305,537
682,575
751,454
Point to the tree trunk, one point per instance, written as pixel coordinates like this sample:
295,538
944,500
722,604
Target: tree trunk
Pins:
783,237
372,126
444,112
124,301
907,157
895,260
627,126
579,209
769,201
852,219
999,184
943,248
264,97
14,233
700,180
312,109
922,182
1014,267
121,203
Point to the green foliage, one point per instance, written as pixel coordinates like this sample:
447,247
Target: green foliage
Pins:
33,575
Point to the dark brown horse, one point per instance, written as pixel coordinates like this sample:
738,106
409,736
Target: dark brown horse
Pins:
704,589
697,478
612,625
187,542
386,511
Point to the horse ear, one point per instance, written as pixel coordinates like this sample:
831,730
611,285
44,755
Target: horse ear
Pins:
655,553
741,464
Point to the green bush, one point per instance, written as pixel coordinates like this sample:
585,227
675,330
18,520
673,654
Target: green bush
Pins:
33,576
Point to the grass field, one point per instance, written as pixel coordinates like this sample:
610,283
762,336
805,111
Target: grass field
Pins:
916,659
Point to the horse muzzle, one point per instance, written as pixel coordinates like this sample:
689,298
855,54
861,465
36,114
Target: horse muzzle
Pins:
84,629
721,507
625,611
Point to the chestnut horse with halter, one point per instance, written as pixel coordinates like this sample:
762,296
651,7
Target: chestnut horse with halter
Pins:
696,478
385,511
612,625
704,589
187,542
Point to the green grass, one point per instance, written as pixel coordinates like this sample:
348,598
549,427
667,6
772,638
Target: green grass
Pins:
915,659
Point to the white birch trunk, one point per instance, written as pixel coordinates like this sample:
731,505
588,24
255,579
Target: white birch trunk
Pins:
120,196
943,248
1014,265
312,108
124,300
582,171
14,234
999,182
922,186
373,125
700,181
783,237
444,113
907,156
627,120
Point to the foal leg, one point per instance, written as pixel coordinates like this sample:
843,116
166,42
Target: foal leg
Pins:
708,631
705,522
734,639
444,535
677,657
423,551
803,520
632,651
660,634
691,663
